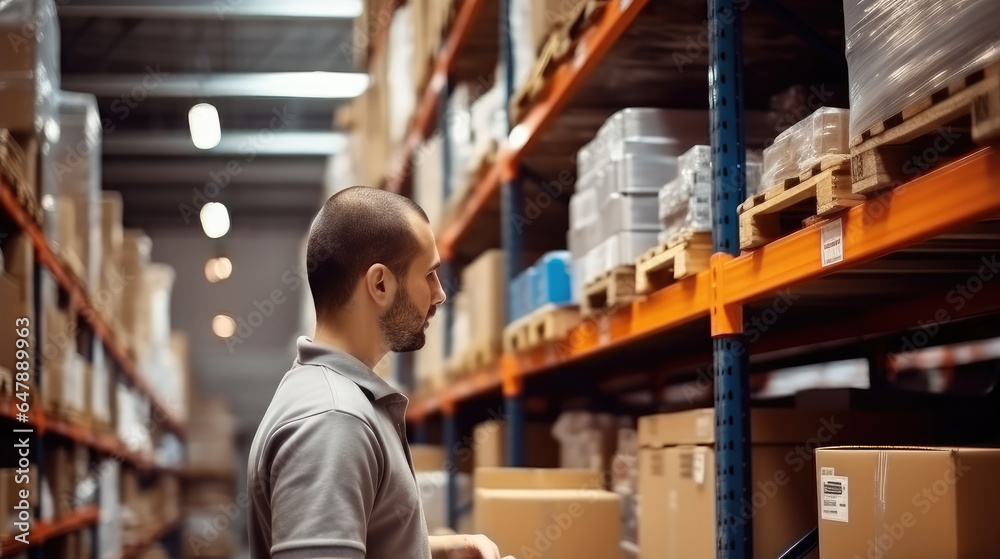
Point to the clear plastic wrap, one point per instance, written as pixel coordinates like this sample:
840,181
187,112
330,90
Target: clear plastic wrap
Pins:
72,173
805,144
623,249
635,174
899,51
29,66
583,208
399,74
628,212
640,133
685,203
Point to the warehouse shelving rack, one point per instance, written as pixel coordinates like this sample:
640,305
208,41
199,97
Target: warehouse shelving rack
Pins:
940,203
43,424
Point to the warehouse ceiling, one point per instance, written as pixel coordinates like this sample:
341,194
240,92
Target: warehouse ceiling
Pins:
149,62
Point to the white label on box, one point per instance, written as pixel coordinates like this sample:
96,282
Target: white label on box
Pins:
826,471
832,242
833,498
698,468
703,428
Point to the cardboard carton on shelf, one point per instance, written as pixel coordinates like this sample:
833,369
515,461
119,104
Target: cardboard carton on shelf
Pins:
489,440
427,457
913,502
11,486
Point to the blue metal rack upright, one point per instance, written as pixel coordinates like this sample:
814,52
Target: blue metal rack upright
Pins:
734,531
512,242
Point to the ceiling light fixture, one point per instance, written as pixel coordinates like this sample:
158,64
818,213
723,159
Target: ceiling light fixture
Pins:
214,219
206,132
223,325
218,269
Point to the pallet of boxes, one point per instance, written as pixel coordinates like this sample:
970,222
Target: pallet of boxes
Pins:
540,303
925,86
806,177
613,214
209,483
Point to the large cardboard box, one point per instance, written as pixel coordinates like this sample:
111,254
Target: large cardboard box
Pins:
913,503
550,523
489,445
483,280
536,478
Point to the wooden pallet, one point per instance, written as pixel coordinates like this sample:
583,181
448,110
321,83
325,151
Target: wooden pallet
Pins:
775,211
551,323
683,255
613,289
515,335
931,131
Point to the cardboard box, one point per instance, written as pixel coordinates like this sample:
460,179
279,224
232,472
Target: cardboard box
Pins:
483,280
108,298
136,250
489,445
10,496
12,306
536,478
914,503
427,457
550,523
652,502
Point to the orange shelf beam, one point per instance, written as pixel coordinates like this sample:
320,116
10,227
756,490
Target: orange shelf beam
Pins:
78,298
43,531
423,119
962,192
566,80
102,442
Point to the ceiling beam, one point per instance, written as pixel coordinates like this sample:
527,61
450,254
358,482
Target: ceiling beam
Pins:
219,9
285,170
243,145
155,82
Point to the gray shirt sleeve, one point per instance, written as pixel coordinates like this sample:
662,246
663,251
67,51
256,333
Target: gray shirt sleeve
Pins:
324,477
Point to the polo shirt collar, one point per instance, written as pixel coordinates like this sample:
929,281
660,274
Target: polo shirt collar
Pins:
345,364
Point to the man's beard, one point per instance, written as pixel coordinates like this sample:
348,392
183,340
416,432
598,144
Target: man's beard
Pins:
403,324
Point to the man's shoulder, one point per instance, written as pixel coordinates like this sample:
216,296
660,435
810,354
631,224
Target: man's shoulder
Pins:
308,389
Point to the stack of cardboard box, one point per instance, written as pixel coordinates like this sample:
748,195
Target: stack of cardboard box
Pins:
677,474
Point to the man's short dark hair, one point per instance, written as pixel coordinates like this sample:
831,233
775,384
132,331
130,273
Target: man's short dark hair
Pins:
356,228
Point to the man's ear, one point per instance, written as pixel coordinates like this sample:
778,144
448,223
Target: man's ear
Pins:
380,284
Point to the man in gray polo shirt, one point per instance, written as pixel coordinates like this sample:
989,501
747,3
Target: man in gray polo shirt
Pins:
330,473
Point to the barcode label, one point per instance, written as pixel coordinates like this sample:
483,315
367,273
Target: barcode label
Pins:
832,242
833,499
